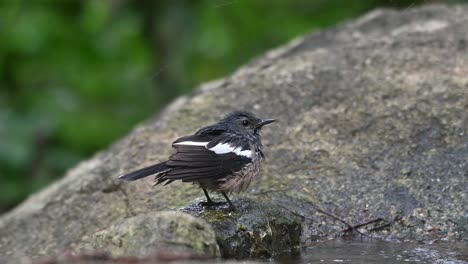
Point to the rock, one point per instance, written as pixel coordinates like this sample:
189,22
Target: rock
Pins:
254,230
373,127
100,258
150,233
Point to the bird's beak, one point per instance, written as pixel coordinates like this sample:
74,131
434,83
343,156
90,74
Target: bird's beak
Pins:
264,122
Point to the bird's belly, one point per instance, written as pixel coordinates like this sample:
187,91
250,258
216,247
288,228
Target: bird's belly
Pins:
240,181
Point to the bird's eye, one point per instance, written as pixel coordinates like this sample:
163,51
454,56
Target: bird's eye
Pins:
245,123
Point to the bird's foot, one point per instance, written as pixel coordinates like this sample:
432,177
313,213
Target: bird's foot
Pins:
216,204
211,203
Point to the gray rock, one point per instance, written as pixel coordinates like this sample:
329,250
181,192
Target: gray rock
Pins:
150,233
373,120
254,230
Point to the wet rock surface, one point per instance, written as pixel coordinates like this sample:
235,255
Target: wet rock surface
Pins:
254,229
372,128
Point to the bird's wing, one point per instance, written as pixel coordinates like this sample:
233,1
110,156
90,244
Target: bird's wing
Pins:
203,157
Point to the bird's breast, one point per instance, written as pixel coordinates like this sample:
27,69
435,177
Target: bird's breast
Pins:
239,181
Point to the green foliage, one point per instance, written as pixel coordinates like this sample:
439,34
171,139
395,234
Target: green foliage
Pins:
76,75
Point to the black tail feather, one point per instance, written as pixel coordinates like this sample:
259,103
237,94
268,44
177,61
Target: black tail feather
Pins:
145,172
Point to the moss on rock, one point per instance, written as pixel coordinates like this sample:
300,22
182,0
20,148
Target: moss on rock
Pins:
255,229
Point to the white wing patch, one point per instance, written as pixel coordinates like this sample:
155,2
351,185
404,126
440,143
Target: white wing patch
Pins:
223,148
192,143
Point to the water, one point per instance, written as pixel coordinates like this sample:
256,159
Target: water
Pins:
380,252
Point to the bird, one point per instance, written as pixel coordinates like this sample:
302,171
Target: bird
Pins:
224,157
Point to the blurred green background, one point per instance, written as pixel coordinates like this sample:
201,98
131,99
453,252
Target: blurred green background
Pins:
75,75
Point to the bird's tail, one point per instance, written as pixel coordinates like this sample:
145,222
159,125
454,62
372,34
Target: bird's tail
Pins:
145,172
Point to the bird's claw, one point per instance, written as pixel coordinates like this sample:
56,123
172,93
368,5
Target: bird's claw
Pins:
215,204
208,204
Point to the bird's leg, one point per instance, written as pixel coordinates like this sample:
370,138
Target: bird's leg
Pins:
208,199
229,201
208,202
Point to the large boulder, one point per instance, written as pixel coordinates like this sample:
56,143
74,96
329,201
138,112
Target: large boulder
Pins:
373,127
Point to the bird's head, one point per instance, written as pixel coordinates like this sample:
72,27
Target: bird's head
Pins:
245,123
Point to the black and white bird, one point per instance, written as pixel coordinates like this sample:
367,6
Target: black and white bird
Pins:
224,157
